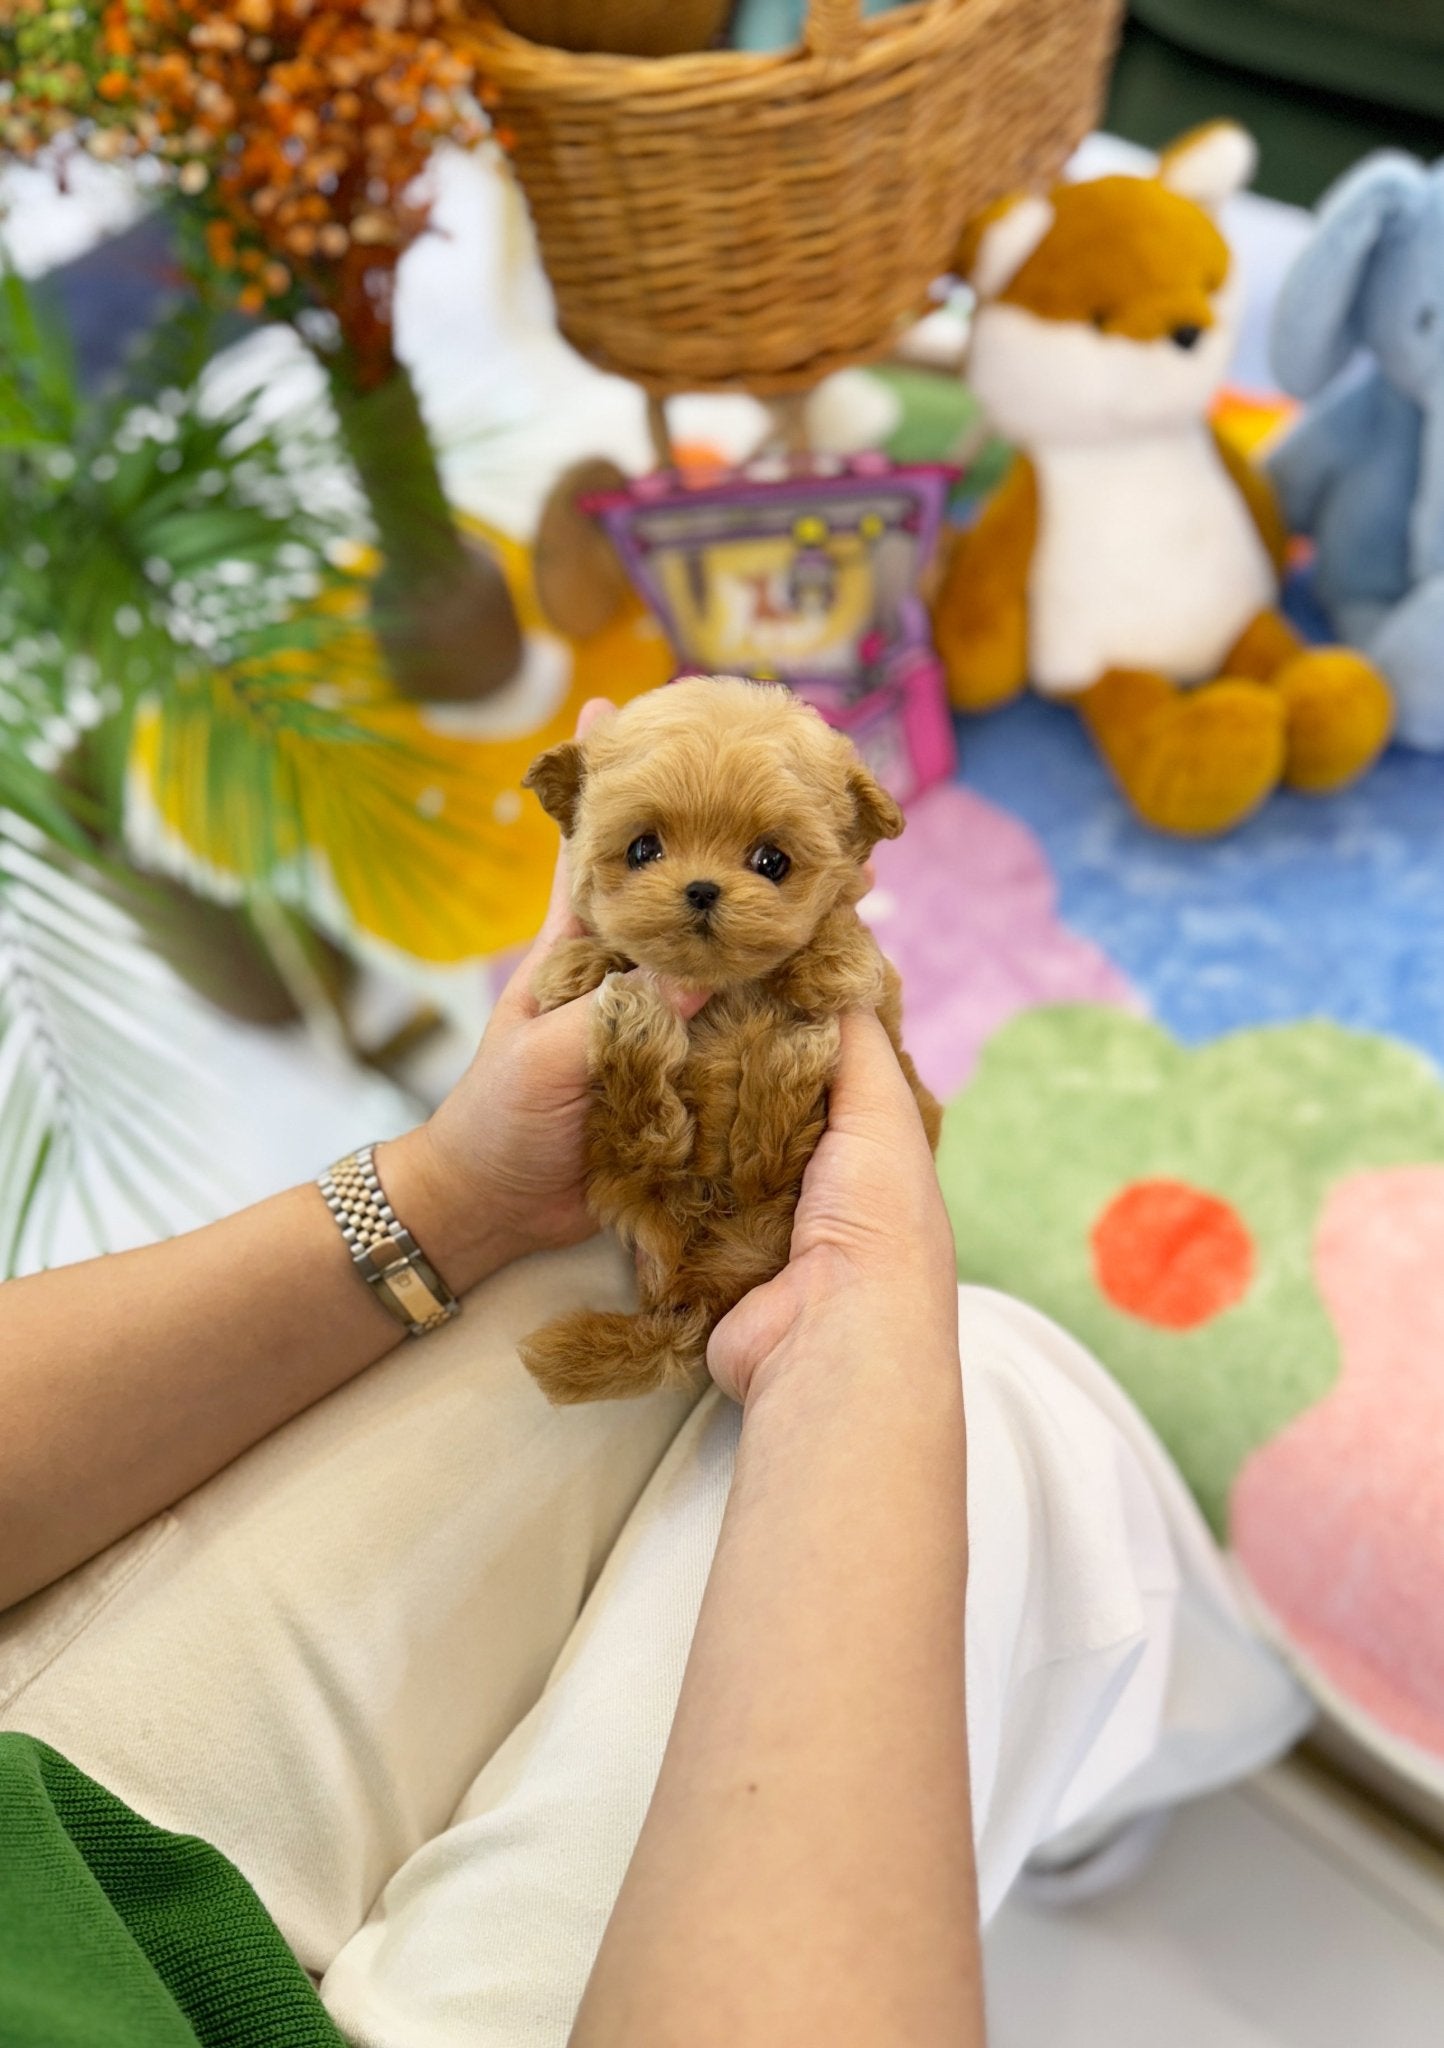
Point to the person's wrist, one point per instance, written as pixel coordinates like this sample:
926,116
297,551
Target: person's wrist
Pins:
856,1376
445,1207
860,1344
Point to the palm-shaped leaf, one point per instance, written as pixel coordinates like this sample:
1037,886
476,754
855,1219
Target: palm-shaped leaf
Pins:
39,394
310,783
97,1100
165,554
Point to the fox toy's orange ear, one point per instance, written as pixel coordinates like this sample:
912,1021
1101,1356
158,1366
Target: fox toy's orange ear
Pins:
1209,164
1000,241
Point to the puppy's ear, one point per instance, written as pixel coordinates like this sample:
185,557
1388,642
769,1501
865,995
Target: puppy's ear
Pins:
875,814
557,777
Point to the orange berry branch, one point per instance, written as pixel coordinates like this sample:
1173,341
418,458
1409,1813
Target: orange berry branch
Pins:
295,134
298,128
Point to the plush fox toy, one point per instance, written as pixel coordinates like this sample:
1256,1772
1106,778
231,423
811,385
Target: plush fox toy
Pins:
1129,559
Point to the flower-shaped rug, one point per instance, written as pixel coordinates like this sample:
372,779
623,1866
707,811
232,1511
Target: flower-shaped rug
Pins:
1197,1116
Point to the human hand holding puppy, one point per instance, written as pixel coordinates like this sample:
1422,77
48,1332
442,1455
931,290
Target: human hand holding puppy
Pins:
497,1170
717,834
871,1276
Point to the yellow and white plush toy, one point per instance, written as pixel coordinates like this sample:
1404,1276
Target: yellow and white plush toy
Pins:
1129,559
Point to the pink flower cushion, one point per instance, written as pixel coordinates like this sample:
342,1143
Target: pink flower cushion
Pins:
1339,1520
1250,1235
966,906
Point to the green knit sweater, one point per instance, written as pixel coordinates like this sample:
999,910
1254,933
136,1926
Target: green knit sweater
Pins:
116,1934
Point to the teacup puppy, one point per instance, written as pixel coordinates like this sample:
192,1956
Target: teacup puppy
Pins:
716,833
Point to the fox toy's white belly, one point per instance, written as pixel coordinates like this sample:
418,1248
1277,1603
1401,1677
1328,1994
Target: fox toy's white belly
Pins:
1147,557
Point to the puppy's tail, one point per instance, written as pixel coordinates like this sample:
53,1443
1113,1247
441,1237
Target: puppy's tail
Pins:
602,1355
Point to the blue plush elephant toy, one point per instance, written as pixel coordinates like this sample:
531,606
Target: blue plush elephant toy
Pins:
1362,313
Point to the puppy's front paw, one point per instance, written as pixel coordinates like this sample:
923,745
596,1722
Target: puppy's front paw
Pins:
574,967
632,1022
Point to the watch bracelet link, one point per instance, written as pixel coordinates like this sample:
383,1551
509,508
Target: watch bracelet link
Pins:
383,1249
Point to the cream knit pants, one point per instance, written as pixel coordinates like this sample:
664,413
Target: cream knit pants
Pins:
411,1662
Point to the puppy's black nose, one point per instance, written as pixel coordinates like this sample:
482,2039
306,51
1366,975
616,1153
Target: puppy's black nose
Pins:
702,895
1186,335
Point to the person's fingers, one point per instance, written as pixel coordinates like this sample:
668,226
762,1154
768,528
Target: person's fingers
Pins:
870,1186
560,920
684,1002
591,711
869,1088
559,1047
751,1329
517,1001
518,998
562,1034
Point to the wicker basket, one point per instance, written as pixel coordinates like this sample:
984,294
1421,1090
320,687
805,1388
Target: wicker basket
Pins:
738,221
648,28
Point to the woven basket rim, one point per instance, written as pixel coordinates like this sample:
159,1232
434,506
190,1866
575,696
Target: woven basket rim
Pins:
900,35
643,176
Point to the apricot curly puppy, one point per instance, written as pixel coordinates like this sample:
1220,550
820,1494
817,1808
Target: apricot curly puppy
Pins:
716,832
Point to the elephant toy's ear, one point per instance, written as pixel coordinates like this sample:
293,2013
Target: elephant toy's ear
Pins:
1209,164
1000,241
1318,319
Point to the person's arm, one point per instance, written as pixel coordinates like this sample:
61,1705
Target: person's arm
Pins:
805,1874
127,1380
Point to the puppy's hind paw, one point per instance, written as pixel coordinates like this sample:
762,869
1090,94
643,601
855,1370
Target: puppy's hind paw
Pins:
603,1355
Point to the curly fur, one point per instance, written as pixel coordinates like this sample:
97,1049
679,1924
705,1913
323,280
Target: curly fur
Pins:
698,1134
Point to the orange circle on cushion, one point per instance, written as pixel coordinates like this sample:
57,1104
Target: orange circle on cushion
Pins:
1171,1254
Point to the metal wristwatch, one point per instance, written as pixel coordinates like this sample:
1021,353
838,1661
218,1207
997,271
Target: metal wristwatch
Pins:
390,1259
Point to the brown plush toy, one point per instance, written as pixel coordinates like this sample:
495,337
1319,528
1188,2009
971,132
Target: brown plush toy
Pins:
1129,560
716,833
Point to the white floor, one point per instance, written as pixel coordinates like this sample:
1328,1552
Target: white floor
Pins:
1278,1915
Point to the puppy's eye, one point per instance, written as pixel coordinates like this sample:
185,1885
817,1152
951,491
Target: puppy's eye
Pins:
646,847
769,861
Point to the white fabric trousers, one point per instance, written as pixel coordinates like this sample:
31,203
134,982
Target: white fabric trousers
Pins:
411,1663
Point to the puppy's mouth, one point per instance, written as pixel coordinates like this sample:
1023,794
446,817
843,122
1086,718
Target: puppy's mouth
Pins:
704,925
700,954
701,938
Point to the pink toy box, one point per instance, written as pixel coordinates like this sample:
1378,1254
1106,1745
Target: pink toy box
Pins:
805,573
